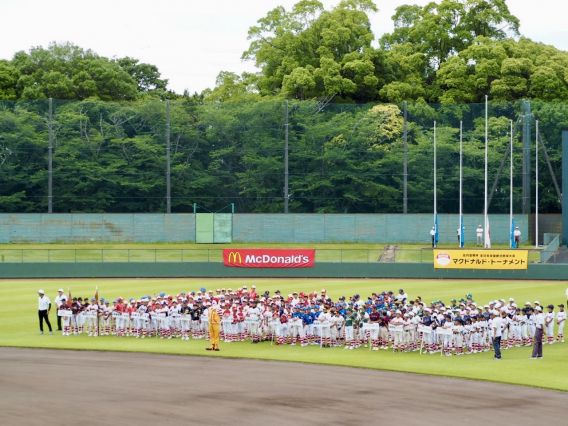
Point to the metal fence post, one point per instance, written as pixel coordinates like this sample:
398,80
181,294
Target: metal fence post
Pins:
50,161
286,189
48,255
405,164
168,165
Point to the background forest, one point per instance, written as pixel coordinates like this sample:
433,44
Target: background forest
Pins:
345,91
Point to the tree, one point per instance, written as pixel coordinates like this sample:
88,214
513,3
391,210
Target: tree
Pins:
146,75
506,70
9,76
66,71
310,52
441,30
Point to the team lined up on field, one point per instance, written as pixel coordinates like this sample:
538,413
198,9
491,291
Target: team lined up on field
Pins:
383,321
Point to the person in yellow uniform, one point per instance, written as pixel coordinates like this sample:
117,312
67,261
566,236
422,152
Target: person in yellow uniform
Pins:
214,324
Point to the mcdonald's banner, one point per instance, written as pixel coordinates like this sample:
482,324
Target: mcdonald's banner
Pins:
481,259
269,258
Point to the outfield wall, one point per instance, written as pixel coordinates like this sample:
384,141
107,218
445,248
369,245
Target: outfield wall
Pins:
320,270
253,228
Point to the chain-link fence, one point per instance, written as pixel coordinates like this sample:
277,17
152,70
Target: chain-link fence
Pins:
152,156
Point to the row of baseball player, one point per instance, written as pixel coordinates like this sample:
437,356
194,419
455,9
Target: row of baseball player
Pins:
385,322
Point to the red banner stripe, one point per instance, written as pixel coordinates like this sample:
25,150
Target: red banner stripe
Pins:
269,258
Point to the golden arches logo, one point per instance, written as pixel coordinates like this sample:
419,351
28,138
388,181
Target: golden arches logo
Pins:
233,256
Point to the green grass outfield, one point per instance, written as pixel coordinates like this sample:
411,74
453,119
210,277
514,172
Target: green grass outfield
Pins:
188,252
18,316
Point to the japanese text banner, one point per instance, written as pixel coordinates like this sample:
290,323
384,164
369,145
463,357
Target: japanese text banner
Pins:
269,258
481,259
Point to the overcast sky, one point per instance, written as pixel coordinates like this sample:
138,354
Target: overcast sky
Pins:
192,40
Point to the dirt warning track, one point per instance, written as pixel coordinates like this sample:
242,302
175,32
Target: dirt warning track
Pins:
48,387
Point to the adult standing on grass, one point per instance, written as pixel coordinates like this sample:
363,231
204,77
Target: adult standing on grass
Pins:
433,235
539,332
44,308
479,232
495,333
58,302
517,236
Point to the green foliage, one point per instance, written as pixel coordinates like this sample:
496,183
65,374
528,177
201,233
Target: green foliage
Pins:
310,52
228,142
66,71
111,156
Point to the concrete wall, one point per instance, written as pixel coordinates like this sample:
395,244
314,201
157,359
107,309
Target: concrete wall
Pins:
285,228
320,270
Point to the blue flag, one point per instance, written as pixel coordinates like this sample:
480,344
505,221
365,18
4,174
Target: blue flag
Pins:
462,232
436,230
513,245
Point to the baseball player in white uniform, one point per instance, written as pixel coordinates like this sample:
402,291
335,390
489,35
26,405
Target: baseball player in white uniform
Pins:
254,315
560,320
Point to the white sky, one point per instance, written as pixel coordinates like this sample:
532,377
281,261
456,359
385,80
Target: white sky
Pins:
192,40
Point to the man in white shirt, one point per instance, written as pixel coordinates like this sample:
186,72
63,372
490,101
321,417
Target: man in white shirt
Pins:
479,232
58,303
433,235
539,333
43,312
517,236
495,333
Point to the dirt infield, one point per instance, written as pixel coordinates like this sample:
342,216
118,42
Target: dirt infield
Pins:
45,387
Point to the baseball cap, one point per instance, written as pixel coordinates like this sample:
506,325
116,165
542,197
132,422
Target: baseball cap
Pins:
40,292
538,308
550,306
60,289
561,305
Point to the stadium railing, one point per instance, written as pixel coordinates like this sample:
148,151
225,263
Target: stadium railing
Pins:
549,251
414,255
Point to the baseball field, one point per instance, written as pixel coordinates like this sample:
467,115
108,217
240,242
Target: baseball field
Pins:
18,315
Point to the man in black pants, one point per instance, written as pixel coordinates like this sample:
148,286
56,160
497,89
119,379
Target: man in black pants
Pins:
44,308
539,332
495,333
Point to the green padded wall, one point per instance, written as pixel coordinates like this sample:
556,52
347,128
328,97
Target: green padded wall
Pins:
204,228
222,228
